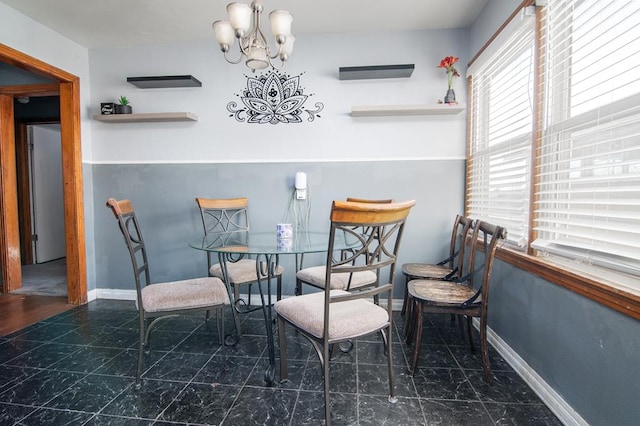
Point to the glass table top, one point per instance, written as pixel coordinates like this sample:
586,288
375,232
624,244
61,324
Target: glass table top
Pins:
266,242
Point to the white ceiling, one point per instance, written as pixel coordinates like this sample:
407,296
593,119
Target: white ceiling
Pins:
119,23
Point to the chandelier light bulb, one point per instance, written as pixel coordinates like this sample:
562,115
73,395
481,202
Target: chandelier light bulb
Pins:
244,24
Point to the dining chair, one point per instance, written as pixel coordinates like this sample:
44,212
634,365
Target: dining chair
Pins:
164,300
220,218
459,298
335,315
315,275
447,269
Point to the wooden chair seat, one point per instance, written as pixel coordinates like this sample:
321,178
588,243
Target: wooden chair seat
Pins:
449,269
441,293
425,271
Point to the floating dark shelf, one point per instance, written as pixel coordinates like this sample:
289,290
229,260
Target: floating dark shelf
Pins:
376,71
164,81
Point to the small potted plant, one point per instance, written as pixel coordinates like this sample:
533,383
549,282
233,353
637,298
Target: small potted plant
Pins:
123,107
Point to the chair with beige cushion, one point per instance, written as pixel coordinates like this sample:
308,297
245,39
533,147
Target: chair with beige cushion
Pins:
168,299
315,275
468,297
335,315
225,216
447,269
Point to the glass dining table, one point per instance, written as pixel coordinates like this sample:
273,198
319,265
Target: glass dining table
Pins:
266,248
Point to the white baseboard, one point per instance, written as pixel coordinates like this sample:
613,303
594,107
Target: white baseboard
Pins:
565,413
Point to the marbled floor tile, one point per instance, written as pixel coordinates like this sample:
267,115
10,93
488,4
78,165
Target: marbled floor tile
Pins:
10,414
10,375
255,326
443,383
46,416
183,323
146,402
295,372
473,360
177,366
342,377
201,404
373,353
79,335
43,356
252,346
432,356
522,414
126,363
237,371
116,338
262,406
374,380
377,410
162,340
16,348
90,393
40,388
309,409
298,347
104,420
107,317
86,359
446,413
45,332
200,343
506,387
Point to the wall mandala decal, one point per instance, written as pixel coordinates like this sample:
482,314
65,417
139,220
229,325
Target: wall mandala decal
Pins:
273,98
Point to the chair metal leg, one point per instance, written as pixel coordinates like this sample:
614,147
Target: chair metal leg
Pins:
392,388
325,378
418,332
282,340
141,345
220,318
410,321
279,287
406,296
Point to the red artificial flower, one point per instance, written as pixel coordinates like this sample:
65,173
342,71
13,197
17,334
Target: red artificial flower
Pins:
447,64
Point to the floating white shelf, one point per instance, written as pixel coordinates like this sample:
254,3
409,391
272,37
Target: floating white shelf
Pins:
147,117
403,110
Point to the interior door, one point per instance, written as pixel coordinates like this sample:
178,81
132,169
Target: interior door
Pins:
47,205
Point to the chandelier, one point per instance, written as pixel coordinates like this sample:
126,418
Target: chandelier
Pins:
244,24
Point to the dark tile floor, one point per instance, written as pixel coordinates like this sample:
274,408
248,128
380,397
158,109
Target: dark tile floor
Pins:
77,368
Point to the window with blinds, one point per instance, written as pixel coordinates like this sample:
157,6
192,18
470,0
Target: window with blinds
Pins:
587,206
500,132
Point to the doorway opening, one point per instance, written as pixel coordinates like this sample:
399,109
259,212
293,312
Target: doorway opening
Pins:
67,87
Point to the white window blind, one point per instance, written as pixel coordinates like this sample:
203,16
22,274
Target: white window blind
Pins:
499,160
588,180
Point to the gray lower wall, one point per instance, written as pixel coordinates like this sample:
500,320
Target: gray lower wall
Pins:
164,198
588,353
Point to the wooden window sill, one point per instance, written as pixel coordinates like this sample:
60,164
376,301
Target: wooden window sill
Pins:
620,300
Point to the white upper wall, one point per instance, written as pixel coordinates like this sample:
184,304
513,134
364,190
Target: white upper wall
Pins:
335,135
28,36
494,14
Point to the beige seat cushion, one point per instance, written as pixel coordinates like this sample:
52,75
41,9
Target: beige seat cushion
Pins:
425,270
441,293
347,320
241,272
315,276
185,294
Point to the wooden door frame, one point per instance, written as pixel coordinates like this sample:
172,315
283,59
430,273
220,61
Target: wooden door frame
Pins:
68,88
